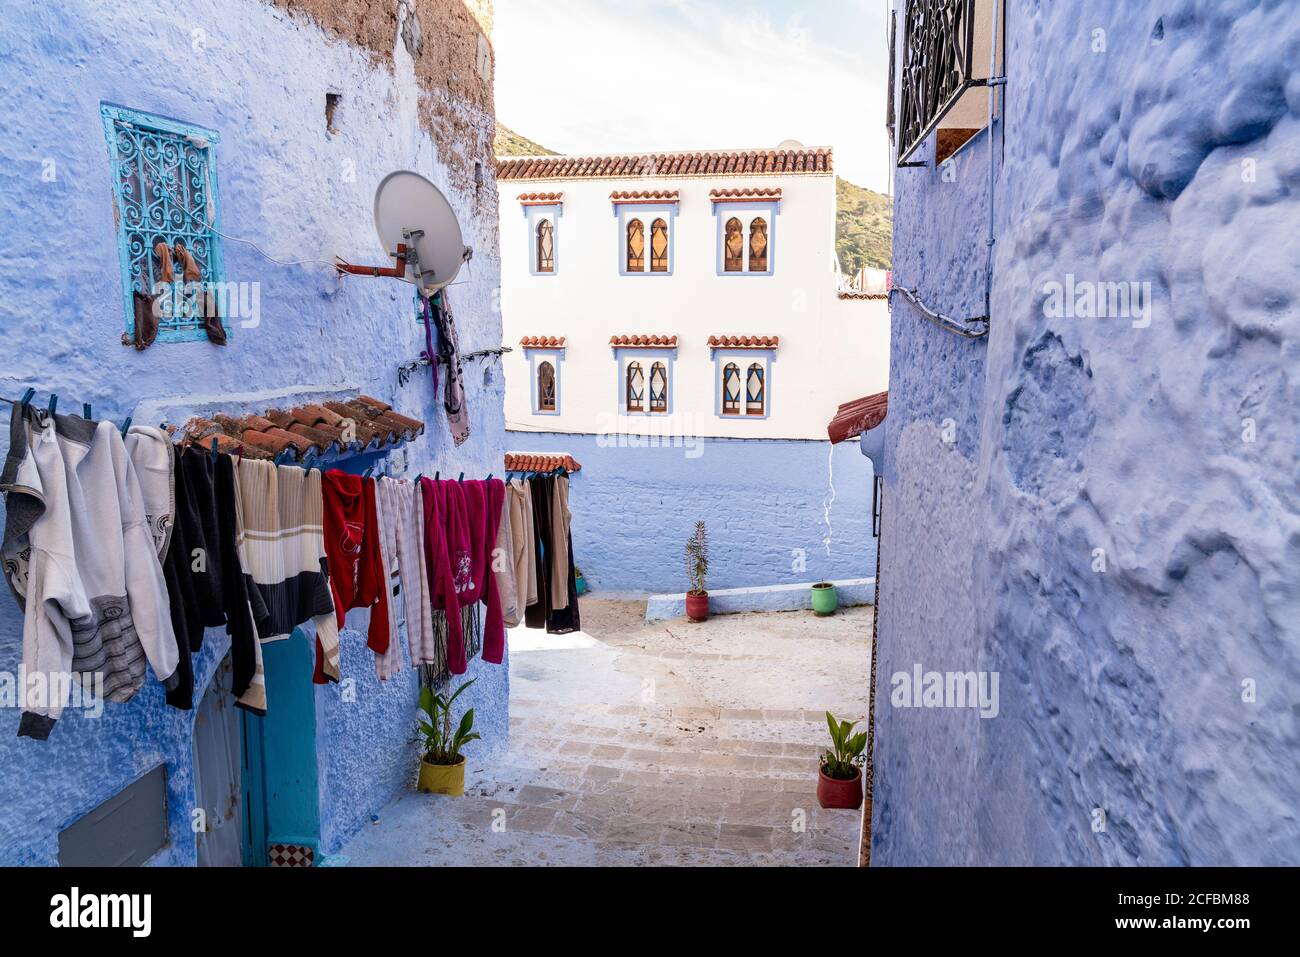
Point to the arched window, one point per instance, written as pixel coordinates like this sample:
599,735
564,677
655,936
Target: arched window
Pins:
758,245
731,389
733,247
754,391
545,246
635,246
635,392
546,387
658,387
659,246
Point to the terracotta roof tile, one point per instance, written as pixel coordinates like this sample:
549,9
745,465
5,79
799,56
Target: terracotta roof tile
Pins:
643,342
541,462
860,415
311,429
541,199
854,294
808,161
542,342
744,342
644,196
746,193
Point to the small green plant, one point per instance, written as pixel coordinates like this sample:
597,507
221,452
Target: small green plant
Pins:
697,559
844,758
440,745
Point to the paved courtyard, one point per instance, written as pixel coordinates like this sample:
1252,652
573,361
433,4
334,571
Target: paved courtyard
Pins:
650,744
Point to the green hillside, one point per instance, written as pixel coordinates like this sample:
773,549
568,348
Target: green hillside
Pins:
510,143
862,227
862,218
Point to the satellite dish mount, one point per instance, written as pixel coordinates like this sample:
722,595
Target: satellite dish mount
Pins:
418,228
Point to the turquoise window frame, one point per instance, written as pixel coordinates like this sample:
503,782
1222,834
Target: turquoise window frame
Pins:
189,210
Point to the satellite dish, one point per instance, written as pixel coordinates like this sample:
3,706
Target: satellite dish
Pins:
412,212
790,145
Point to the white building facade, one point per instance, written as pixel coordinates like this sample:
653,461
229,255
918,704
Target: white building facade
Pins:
678,330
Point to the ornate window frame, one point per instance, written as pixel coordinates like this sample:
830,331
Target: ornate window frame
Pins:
743,358
534,213
746,211
627,210
624,356
536,356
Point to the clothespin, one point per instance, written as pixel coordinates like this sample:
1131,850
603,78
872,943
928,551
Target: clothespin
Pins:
279,456
214,448
435,476
489,478
126,426
462,477
418,477
27,397
367,472
85,411
54,401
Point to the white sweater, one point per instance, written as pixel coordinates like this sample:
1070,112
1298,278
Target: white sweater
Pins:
81,559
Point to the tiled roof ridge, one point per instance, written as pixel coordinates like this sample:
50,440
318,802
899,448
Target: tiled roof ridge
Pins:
744,342
642,194
650,341
816,160
745,192
310,431
541,198
855,294
851,419
541,462
542,342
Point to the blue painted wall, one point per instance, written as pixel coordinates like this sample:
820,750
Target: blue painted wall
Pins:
763,502
259,77
1169,158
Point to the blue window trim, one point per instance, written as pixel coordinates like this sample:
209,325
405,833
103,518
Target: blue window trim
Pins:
535,358
647,213
532,213
746,212
112,114
647,357
743,358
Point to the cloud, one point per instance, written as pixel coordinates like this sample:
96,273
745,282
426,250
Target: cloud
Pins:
586,76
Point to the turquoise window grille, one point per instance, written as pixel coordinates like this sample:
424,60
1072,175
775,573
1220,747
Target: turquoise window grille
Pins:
164,189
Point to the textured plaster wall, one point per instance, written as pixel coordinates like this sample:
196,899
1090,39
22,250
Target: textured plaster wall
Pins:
763,502
259,76
1173,157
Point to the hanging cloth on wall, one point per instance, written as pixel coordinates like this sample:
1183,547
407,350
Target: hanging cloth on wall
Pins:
283,549
523,539
449,351
352,546
389,662
402,510
80,559
539,610
503,568
562,620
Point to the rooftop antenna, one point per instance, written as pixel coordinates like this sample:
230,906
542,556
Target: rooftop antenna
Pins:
417,227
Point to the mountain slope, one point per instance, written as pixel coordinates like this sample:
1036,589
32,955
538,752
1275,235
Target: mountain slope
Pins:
862,218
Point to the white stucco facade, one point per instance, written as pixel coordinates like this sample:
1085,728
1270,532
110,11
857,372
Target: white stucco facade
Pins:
830,349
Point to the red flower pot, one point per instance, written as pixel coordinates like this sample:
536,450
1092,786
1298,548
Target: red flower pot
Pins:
835,793
697,605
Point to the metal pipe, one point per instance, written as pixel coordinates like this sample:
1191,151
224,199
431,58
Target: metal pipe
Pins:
962,327
994,82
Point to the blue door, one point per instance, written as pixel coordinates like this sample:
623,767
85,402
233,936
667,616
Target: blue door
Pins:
281,798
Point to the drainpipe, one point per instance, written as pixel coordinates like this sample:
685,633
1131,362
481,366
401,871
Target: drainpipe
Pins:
994,82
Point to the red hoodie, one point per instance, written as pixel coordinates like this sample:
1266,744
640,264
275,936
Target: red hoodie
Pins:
353,551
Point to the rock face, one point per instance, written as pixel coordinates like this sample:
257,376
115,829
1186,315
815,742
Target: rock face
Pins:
1104,511
258,75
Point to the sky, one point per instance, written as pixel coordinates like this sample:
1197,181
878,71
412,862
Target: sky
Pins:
604,76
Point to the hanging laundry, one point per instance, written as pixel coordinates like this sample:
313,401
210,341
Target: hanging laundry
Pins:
503,567
556,571
283,549
402,511
483,501
449,351
560,553
79,557
523,537
566,619
390,661
352,546
539,609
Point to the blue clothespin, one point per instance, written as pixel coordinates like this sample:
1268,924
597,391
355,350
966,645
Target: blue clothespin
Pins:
489,478
54,401
462,477
279,456
435,476
27,397
366,474
418,477
85,411
126,426
214,448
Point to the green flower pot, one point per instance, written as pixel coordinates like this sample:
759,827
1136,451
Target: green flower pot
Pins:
824,599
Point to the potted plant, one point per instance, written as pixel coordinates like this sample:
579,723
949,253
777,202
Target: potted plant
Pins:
824,599
579,583
442,766
839,782
697,566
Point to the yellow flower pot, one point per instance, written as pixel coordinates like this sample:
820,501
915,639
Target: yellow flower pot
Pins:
443,778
